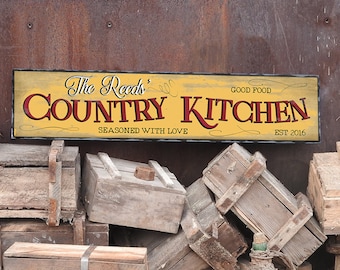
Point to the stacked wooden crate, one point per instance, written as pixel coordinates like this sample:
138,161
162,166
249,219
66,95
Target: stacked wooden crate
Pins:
205,240
170,226
39,181
324,189
40,197
324,192
181,228
243,186
116,192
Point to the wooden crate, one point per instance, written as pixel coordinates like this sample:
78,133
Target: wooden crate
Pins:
323,190
80,232
242,185
39,256
210,235
206,239
39,181
114,195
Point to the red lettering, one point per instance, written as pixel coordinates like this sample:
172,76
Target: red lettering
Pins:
26,106
139,111
107,115
224,102
76,110
122,108
279,111
268,112
303,112
188,110
68,109
158,107
236,114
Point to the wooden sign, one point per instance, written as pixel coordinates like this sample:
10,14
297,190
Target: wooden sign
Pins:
209,107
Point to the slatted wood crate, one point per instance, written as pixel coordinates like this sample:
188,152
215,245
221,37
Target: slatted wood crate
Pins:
206,239
323,189
39,256
242,185
210,235
80,232
114,194
39,181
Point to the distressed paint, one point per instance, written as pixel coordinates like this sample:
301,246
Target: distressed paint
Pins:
102,105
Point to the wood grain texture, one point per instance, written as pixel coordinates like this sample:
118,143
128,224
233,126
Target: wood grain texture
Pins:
36,231
129,201
324,190
44,256
267,205
27,166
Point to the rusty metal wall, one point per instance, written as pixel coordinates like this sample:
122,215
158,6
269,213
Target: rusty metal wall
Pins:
220,36
214,36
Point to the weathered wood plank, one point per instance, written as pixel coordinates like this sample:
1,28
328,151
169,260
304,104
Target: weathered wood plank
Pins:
44,256
36,231
323,190
35,181
109,165
36,178
233,194
166,180
292,226
34,155
212,237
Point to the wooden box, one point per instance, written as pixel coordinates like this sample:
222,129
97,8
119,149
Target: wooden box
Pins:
210,235
323,190
206,239
80,232
39,256
39,181
114,195
243,185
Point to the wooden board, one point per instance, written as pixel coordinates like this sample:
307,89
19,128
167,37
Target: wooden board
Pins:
37,231
323,190
266,206
128,201
36,256
34,195
328,170
25,182
210,221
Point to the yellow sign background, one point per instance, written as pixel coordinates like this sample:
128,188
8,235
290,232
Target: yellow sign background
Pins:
105,105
